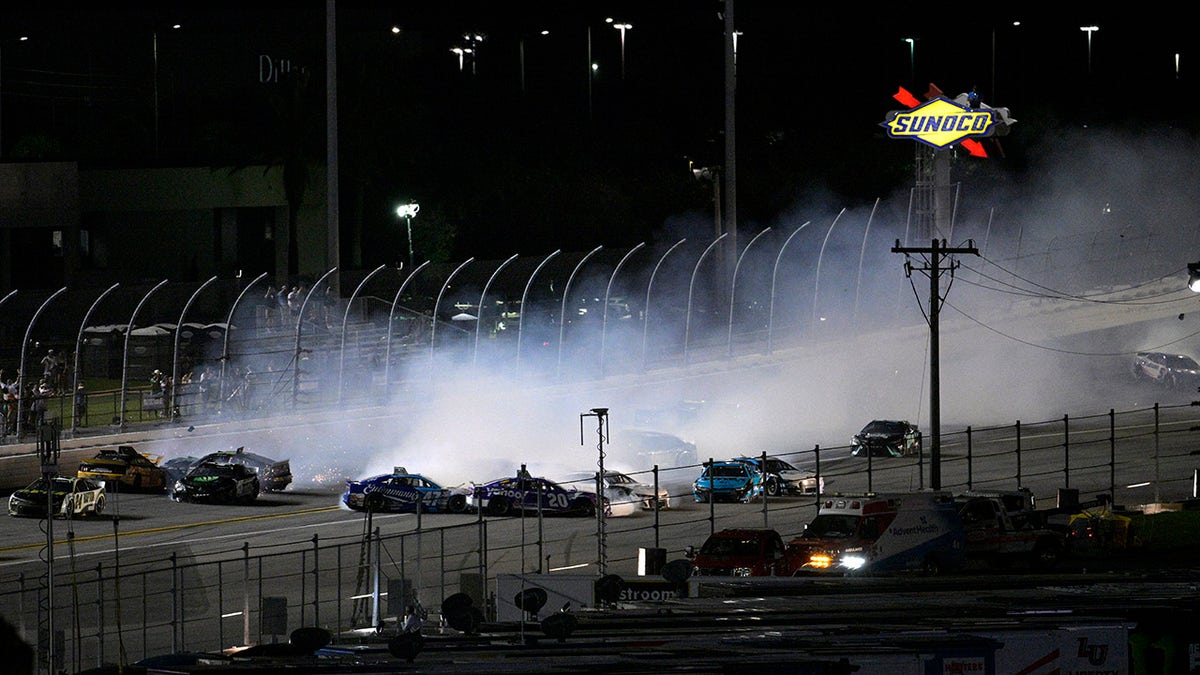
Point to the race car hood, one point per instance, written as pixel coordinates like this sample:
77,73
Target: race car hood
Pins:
723,482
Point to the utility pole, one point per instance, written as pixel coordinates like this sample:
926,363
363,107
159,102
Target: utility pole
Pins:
934,268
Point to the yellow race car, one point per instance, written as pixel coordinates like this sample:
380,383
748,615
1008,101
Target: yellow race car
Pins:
125,467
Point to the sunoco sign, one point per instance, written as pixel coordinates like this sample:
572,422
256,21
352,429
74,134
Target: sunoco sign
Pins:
940,122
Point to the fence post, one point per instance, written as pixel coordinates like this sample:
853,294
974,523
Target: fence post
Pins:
316,572
338,576
1112,455
817,470
655,471
303,584
1066,452
970,460
375,619
100,622
220,600
246,593
1018,453
712,501
175,608
763,465
1157,477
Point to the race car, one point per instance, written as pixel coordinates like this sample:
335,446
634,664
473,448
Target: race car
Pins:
783,478
70,497
124,467
887,438
1174,371
522,492
618,484
273,475
401,491
217,483
728,481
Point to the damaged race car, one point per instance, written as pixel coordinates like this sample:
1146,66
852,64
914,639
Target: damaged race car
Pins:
273,475
403,492
214,483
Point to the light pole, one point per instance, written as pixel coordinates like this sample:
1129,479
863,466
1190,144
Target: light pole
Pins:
407,211
601,415
621,27
23,38
472,48
1089,30
155,38
912,59
521,53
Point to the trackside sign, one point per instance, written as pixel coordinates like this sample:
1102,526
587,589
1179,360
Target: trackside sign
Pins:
940,122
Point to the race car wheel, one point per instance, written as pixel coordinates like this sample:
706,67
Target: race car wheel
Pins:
497,506
373,502
773,489
457,503
585,507
99,508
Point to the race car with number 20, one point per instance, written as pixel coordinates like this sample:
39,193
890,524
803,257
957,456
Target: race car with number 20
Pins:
506,496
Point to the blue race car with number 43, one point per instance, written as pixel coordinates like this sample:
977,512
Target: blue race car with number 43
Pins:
522,492
731,481
401,491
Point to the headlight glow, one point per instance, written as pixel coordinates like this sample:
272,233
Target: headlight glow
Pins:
853,562
742,572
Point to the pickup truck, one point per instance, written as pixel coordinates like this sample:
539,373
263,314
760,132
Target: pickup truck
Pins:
1003,527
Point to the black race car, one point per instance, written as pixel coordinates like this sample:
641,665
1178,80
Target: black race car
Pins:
887,438
273,475
217,483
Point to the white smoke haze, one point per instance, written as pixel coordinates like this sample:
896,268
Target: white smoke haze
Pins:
1082,263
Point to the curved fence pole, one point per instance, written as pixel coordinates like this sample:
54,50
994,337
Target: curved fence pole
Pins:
733,286
387,353
562,315
6,297
607,290
170,411
299,325
479,314
125,354
438,302
812,327
646,307
774,278
345,321
79,350
861,255
228,325
687,326
23,376
524,299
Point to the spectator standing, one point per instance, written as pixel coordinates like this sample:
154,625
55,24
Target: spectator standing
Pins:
80,406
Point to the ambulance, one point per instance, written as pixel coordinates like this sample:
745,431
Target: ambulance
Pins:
880,533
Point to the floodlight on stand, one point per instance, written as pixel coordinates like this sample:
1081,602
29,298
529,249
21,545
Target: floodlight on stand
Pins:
1194,276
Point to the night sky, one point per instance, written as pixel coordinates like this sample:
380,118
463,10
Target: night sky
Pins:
501,168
